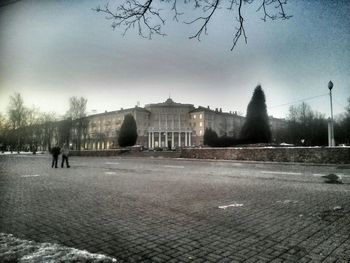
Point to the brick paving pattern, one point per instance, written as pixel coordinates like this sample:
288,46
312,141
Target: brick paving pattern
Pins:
145,212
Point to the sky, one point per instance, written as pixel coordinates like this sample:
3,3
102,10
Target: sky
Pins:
53,50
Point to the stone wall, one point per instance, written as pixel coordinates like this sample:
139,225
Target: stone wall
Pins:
320,155
115,152
127,153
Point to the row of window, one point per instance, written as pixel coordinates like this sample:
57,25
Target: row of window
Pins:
195,116
193,124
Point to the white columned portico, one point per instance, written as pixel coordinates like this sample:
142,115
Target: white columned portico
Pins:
149,140
166,139
179,139
172,140
152,140
189,139
186,139
160,140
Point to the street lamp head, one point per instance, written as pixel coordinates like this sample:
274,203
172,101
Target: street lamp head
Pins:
330,85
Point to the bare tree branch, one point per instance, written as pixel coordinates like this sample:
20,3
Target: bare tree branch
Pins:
240,29
208,7
277,4
176,13
133,13
7,2
148,20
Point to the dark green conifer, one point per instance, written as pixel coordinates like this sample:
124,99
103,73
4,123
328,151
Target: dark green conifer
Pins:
128,132
256,128
210,137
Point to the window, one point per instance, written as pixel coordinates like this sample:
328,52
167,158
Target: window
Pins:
200,124
200,116
194,116
200,132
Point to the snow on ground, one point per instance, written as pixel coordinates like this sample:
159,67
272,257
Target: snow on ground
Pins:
20,153
232,205
13,249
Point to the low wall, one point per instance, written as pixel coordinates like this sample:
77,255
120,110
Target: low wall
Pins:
321,155
126,153
99,152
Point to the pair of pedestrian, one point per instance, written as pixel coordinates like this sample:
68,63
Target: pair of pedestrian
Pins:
56,151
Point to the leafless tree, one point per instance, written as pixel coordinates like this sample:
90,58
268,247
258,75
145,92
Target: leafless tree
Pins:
17,114
148,18
47,123
77,112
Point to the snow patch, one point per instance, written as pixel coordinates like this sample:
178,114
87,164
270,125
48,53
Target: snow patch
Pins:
19,250
287,201
30,175
280,172
20,153
110,173
174,166
231,205
318,175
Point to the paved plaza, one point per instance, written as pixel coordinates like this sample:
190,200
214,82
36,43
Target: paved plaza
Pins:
172,210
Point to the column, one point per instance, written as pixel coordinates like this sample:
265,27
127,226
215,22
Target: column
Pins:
186,138
190,139
149,140
152,140
172,140
160,140
179,139
166,139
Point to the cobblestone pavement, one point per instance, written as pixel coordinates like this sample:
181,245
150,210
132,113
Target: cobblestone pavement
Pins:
161,210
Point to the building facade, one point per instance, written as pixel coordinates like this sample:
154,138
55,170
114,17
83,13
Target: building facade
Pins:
162,125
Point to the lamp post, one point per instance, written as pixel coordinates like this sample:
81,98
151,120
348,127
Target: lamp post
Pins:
331,142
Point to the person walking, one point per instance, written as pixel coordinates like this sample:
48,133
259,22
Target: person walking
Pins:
65,154
55,151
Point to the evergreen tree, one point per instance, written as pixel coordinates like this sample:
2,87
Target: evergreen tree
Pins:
256,128
210,137
128,132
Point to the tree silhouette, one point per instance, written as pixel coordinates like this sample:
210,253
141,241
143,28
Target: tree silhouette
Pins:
64,131
343,126
77,113
128,132
306,127
256,128
148,16
7,2
210,137
18,114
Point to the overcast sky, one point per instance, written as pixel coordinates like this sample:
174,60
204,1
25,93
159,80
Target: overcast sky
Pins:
52,50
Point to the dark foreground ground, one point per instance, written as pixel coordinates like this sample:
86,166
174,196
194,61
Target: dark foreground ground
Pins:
166,210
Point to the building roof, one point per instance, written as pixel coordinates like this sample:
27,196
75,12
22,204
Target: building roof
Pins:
119,111
168,103
217,111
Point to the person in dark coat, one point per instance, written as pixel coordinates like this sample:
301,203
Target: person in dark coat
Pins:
65,154
55,151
